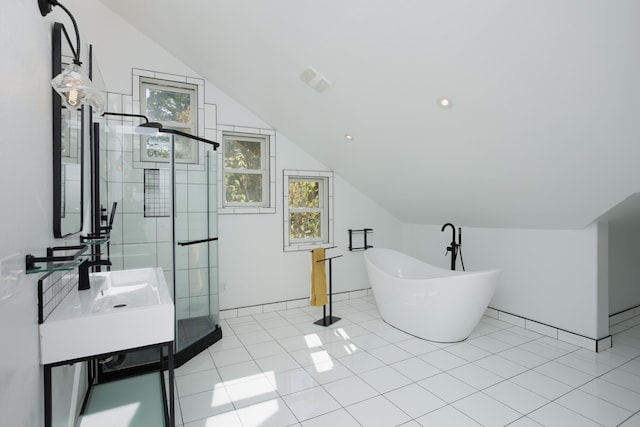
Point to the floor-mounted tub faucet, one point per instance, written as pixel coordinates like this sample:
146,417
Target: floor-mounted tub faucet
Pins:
455,246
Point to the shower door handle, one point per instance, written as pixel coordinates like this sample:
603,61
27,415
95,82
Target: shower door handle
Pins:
193,242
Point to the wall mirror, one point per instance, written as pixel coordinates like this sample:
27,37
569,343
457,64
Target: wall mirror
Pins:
68,141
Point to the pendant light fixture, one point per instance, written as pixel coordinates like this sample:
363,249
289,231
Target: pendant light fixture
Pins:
75,88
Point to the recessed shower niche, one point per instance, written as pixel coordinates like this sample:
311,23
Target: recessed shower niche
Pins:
167,218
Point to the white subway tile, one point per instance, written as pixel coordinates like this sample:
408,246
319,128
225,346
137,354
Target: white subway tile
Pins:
245,129
182,308
615,319
584,342
510,318
198,306
604,343
114,102
228,314
491,312
297,303
171,77
248,311
342,296
276,306
210,116
358,294
541,329
144,73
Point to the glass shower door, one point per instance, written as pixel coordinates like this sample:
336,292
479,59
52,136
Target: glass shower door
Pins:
167,218
196,249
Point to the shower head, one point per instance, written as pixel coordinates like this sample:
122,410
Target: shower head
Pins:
149,128
154,128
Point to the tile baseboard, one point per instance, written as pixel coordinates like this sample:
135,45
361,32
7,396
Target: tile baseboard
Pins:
624,315
231,313
592,344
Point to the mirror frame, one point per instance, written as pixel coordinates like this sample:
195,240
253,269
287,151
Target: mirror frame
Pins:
56,61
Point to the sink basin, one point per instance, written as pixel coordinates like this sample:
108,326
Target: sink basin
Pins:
122,310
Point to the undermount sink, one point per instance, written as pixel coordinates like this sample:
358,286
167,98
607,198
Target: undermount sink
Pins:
122,310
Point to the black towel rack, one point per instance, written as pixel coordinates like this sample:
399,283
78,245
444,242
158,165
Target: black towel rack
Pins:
328,320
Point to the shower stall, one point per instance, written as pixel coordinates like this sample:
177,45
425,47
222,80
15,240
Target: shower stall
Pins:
166,217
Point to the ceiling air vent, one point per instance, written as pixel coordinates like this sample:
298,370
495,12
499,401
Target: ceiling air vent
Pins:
315,80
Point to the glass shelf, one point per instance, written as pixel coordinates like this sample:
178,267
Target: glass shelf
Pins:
55,263
94,241
66,266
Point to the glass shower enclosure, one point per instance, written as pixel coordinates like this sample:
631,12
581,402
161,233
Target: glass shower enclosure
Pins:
166,217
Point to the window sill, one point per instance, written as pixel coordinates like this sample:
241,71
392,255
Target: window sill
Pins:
241,210
300,247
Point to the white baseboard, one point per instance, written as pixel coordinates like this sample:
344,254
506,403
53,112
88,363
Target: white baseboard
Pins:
592,344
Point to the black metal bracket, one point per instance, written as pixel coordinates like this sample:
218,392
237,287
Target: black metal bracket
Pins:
364,233
31,260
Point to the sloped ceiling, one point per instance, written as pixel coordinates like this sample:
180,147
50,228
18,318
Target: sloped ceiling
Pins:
545,124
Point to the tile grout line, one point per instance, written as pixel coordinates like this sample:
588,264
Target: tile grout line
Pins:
367,308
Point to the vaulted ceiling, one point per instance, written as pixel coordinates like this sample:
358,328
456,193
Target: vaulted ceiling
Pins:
544,130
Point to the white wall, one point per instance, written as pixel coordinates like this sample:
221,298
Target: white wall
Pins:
253,267
624,266
26,214
255,270
550,276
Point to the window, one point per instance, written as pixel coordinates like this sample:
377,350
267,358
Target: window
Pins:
175,105
308,209
246,170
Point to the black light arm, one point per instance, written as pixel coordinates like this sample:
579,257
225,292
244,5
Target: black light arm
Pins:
46,6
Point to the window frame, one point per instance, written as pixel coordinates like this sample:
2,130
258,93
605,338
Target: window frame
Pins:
326,209
264,170
192,126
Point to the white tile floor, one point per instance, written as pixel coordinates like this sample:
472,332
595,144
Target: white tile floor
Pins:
279,369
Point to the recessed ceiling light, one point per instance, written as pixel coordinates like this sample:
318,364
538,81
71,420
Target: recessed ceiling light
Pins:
445,102
348,136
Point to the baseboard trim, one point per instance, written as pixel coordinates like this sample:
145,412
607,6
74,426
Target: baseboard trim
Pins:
559,334
231,313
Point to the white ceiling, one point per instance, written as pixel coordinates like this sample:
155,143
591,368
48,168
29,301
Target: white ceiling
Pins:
545,127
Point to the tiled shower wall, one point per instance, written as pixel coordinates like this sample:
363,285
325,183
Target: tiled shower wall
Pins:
138,241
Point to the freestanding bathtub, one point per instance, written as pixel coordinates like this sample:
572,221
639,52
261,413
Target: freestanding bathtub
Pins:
427,301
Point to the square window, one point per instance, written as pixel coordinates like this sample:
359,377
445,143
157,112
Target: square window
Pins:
245,170
308,209
175,106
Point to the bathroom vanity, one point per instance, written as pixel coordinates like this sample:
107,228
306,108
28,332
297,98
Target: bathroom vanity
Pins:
122,312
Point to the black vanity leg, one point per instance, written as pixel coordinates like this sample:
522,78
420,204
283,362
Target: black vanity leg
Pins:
48,407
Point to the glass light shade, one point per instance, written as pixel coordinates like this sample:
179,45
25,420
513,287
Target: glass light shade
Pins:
76,89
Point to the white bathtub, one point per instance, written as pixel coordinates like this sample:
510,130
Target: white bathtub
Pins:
427,301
